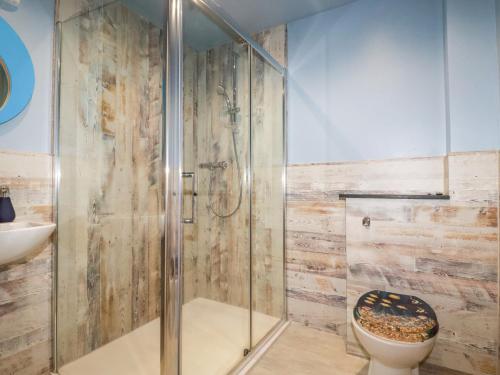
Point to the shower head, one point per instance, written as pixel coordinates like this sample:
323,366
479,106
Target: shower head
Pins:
221,90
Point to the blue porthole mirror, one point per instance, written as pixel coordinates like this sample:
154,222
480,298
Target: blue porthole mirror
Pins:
17,76
4,84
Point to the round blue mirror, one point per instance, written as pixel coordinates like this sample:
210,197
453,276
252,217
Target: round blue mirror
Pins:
4,83
17,76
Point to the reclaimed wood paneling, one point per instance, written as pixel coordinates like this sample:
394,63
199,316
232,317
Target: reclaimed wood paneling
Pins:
217,250
110,194
405,176
316,270
446,252
267,221
274,42
25,287
414,248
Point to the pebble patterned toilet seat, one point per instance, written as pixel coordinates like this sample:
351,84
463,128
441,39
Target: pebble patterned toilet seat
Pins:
397,317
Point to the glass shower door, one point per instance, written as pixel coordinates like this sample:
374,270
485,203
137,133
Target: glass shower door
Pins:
268,191
215,326
110,191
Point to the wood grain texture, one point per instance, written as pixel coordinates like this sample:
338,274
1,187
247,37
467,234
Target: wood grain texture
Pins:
216,250
446,252
415,253
274,42
110,193
25,287
300,350
316,263
217,253
268,205
393,176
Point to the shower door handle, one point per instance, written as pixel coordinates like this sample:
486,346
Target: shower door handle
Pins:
190,175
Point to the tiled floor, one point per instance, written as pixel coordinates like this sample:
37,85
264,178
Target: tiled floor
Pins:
306,351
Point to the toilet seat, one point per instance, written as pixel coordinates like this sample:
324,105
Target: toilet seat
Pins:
396,317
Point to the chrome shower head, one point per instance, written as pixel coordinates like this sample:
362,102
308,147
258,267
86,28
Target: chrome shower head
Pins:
221,90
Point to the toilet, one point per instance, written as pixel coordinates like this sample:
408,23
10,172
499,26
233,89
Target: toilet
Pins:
397,331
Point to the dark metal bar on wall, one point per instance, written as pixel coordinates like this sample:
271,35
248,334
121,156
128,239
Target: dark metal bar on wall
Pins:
344,196
172,158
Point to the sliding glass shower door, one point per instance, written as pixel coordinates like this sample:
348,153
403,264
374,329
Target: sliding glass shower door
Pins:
215,327
232,194
268,196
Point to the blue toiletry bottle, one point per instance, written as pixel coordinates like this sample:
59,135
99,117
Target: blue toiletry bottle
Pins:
7,213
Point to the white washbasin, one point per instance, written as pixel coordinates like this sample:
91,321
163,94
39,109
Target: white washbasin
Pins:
18,240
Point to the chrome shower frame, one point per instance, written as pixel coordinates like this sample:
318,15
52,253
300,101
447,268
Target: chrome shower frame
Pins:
172,157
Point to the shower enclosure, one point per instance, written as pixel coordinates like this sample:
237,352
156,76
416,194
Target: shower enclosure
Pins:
170,189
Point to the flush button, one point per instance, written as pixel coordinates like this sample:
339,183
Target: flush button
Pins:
366,221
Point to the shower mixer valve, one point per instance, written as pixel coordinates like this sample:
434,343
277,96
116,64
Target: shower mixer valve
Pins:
215,165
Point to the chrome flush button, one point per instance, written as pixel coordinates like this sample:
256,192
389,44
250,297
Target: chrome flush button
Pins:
366,222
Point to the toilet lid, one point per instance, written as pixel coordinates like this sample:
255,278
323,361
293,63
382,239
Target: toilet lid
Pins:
396,316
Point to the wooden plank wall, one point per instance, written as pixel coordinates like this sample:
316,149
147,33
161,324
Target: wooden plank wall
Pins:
446,252
110,196
216,258
25,288
316,258
217,251
268,295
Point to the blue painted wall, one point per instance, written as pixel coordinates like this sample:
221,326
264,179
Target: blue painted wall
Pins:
32,130
497,5
368,81
473,75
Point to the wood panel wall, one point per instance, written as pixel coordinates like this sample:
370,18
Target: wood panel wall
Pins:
110,195
217,251
316,257
26,287
268,295
216,260
446,252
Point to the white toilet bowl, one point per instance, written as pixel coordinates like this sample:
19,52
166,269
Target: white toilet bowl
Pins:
388,357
